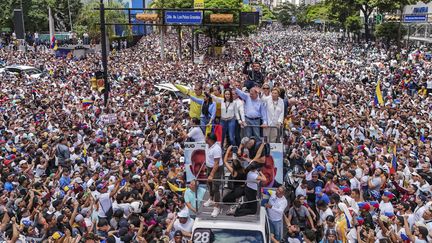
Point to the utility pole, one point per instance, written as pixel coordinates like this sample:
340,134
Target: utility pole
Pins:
22,18
104,53
70,16
162,37
145,27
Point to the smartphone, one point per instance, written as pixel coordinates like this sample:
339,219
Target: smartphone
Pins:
234,149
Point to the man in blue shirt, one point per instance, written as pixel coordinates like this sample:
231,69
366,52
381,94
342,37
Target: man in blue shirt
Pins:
192,194
255,112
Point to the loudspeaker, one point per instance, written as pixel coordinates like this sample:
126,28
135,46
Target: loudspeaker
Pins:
18,24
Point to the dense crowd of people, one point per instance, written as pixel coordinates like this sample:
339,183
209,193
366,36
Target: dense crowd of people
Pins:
355,124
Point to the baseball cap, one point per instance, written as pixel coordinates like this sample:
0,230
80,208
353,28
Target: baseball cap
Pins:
101,185
178,233
318,189
183,214
364,206
388,194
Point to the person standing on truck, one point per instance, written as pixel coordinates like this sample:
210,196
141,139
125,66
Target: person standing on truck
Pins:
214,171
275,210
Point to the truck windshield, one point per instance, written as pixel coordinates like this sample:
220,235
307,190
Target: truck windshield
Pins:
227,236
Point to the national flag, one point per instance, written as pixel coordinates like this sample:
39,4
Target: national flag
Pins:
175,188
347,221
378,94
393,167
53,42
86,103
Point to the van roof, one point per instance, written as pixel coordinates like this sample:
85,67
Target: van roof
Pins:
222,221
22,67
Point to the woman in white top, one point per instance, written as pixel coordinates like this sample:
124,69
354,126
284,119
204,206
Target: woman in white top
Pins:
275,115
228,116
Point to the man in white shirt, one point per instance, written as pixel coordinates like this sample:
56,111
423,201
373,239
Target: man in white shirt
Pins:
385,204
275,210
214,171
105,199
195,133
275,115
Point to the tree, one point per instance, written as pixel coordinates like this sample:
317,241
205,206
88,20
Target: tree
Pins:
36,13
341,11
397,5
353,24
286,13
366,7
89,18
389,32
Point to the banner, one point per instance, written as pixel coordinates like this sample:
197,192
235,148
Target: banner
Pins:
276,151
194,155
198,4
107,119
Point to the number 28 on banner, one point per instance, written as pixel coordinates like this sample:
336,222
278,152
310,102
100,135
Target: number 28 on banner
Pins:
202,236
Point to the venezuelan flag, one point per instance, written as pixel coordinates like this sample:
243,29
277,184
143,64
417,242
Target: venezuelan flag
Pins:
53,42
393,167
175,188
86,103
378,94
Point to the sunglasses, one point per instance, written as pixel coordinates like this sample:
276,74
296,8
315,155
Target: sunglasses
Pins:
266,88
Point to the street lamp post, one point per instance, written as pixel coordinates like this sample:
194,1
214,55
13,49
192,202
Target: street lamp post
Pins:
70,16
104,53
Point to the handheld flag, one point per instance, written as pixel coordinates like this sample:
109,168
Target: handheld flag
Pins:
378,94
86,103
393,167
53,42
175,188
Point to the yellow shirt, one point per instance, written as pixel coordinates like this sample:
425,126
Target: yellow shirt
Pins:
194,108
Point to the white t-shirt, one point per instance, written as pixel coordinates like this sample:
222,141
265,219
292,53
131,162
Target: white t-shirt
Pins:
252,176
187,227
324,214
386,207
300,191
196,134
212,153
105,204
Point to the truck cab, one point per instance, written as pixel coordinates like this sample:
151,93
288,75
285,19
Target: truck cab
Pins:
230,229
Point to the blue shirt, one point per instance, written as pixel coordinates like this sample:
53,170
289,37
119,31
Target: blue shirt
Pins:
212,107
324,197
253,108
64,181
8,186
189,197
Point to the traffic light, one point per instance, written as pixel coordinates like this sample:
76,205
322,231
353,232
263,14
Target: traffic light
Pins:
100,82
378,18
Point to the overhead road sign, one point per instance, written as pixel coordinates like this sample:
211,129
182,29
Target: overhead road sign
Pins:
183,17
415,18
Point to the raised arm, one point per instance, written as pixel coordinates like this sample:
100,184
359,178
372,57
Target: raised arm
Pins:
241,94
227,165
182,88
197,100
217,99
